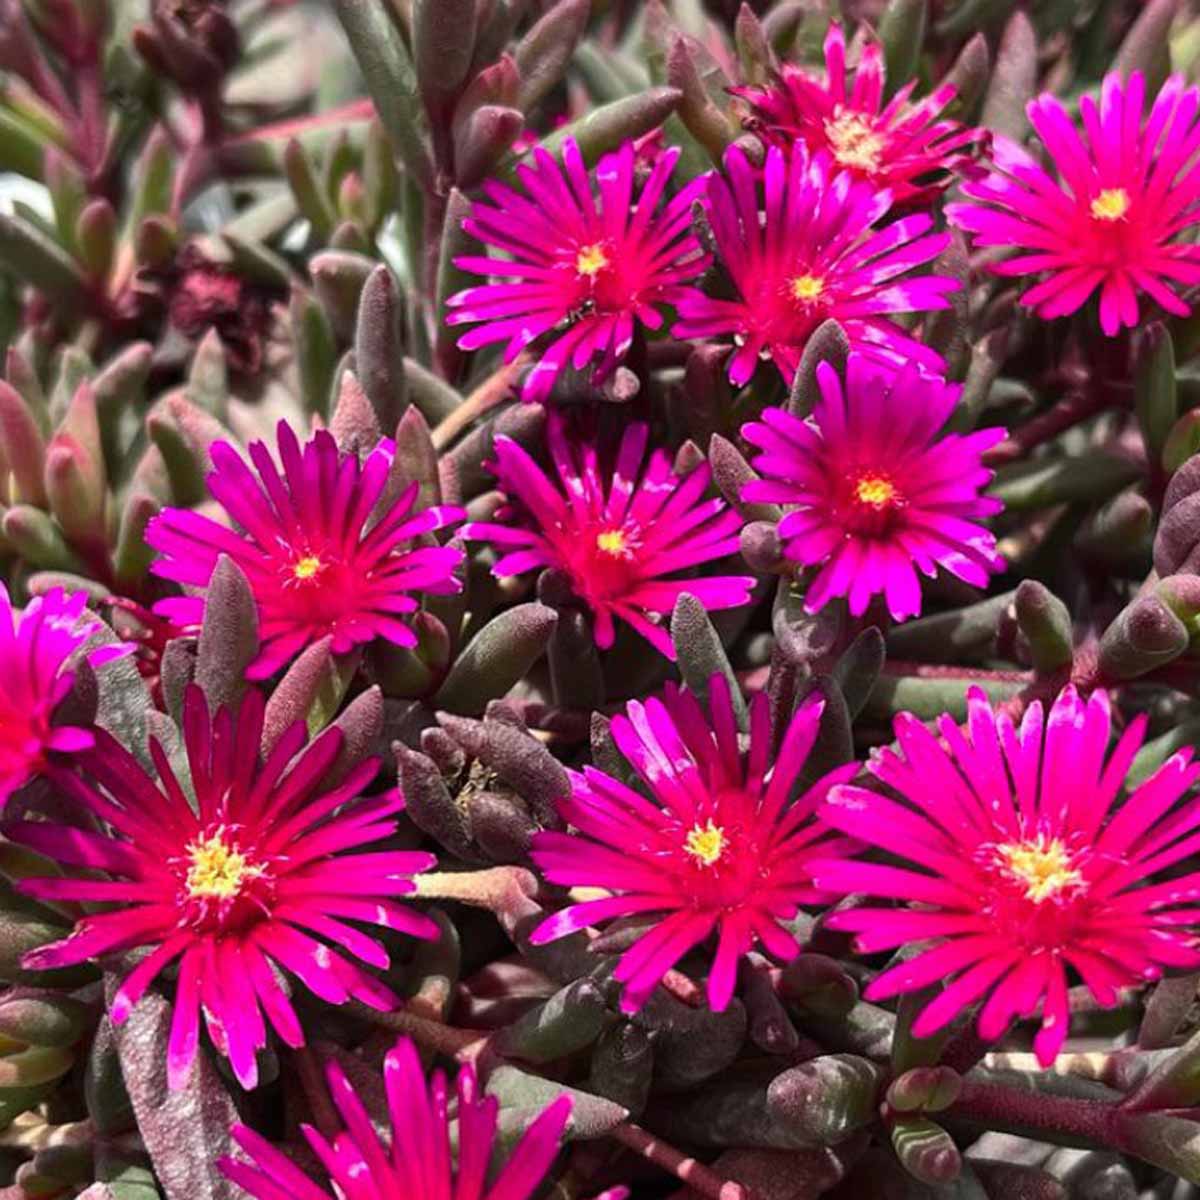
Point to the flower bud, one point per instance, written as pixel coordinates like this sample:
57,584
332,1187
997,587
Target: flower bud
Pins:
926,1151
924,1089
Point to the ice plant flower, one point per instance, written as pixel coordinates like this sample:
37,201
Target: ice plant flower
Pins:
875,493
721,848
37,644
416,1160
319,560
1117,216
800,250
618,534
588,269
1012,854
260,879
901,145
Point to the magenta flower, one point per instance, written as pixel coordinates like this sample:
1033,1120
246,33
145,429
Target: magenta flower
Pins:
1011,853
320,561
1118,212
722,848
257,881
589,272
899,145
874,493
616,533
807,253
418,1162
36,648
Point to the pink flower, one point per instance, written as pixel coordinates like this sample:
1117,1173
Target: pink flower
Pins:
588,272
1008,849
722,848
899,145
874,493
320,561
614,531
257,880
1115,216
416,1163
807,252
36,648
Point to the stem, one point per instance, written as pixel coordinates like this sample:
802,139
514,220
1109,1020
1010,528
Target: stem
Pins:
495,888
487,395
916,670
1069,411
695,1174
316,1093
466,1045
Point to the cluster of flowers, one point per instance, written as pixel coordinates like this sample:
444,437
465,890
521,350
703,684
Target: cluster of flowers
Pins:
1011,849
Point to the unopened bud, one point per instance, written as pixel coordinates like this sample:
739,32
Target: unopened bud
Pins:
926,1151
924,1089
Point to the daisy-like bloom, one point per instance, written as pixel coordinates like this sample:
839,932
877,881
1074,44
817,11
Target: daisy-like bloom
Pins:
36,646
801,250
319,559
1115,216
901,146
259,879
616,533
875,493
1011,853
416,1160
589,271
720,848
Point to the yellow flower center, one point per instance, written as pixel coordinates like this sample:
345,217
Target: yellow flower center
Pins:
876,491
308,567
705,843
807,287
216,870
1111,204
854,142
591,260
613,541
1043,866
